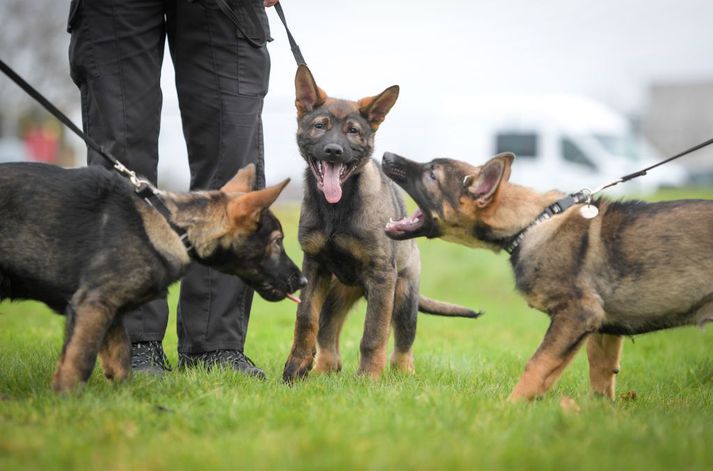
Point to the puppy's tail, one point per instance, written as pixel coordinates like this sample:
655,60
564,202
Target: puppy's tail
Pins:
439,308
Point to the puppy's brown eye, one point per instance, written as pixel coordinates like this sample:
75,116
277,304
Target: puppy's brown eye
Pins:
318,125
353,130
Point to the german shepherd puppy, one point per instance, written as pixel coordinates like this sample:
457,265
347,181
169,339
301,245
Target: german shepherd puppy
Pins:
347,201
85,244
635,268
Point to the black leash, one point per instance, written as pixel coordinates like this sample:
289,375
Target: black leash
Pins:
585,196
142,187
293,44
643,172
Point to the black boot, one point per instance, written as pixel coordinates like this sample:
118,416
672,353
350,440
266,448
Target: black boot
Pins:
149,357
234,359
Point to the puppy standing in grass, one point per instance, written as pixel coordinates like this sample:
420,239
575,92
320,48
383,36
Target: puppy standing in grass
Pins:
83,243
347,256
634,268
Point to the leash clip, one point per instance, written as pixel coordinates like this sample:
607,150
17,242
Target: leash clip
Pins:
140,184
588,211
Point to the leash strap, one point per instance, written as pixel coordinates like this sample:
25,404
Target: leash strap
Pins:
293,44
644,171
685,152
142,187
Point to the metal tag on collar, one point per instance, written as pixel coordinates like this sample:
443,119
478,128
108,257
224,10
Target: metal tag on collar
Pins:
588,211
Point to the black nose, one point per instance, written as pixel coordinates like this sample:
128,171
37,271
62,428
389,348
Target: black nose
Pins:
333,150
389,158
296,281
302,282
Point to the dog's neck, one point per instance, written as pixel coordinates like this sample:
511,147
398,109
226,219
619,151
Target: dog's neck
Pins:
514,208
202,214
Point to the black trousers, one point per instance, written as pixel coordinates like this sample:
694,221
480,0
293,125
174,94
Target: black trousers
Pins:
115,54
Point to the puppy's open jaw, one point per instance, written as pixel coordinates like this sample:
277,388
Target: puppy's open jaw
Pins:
408,227
273,292
330,177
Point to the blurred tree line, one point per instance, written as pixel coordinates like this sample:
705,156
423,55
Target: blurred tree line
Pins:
34,42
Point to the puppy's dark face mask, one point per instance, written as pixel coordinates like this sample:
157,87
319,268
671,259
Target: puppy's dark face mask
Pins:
454,199
336,137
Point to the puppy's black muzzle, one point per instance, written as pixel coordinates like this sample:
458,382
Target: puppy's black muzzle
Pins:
332,151
333,148
297,281
396,167
407,174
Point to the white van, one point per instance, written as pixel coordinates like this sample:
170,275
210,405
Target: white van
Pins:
561,141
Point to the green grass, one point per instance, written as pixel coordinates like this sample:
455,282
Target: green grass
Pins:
451,415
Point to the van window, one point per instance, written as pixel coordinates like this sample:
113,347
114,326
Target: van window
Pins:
519,143
572,153
625,145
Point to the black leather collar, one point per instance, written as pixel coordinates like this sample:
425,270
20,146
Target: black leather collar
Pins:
555,208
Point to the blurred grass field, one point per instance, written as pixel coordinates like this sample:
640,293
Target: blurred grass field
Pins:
451,415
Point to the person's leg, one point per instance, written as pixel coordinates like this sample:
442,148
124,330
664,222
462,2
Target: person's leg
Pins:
221,82
115,55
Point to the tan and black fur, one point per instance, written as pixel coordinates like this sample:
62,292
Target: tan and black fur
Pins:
347,256
83,243
637,267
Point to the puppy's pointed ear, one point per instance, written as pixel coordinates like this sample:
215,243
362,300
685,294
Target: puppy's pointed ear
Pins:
375,108
244,211
308,95
484,186
242,182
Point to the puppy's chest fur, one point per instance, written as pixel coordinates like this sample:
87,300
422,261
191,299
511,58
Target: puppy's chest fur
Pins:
348,238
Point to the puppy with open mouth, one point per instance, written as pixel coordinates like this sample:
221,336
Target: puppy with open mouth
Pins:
347,200
601,271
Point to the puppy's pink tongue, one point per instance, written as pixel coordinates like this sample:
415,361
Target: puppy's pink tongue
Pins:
332,186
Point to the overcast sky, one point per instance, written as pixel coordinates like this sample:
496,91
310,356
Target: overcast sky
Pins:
609,50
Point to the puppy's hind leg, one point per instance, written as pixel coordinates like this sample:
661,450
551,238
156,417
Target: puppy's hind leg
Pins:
70,314
336,307
404,323
604,353
115,354
91,321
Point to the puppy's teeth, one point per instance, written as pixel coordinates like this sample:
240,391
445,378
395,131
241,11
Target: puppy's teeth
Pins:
391,220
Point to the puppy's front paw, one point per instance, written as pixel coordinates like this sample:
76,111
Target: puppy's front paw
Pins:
64,382
296,368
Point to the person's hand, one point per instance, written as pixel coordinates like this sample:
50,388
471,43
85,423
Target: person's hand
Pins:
269,3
